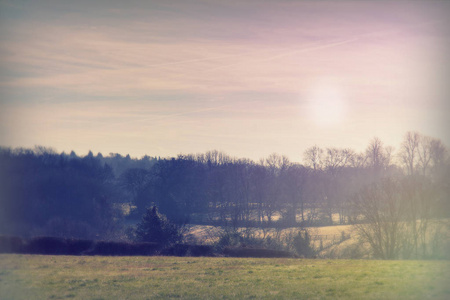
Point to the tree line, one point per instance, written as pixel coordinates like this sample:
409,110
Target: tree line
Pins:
94,196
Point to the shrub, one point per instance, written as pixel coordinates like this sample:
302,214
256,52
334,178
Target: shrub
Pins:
230,239
176,250
255,252
109,248
144,249
78,247
302,244
201,250
155,227
189,250
47,245
237,239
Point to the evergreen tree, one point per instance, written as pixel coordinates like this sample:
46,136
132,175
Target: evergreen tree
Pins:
155,227
302,244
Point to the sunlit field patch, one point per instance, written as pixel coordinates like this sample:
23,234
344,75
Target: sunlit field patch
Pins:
81,277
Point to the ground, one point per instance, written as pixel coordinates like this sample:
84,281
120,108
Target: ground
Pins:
96,277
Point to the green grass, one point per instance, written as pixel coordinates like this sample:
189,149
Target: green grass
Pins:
82,277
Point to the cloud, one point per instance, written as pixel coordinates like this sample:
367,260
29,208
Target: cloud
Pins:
179,52
149,68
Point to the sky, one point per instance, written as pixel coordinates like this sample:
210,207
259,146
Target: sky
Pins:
249,78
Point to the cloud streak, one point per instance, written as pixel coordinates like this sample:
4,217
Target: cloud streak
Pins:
150,69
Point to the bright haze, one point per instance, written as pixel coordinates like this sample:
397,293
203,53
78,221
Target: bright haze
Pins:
245,77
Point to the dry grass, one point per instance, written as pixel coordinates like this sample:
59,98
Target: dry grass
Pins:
78,277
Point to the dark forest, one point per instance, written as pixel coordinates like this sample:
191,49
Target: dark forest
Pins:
44,193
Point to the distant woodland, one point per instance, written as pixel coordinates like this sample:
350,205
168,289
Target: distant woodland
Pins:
44,193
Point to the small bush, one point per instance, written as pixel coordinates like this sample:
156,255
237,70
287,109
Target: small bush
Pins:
255,252
237,239
230,239
354,251
47,245
201,250
189,250
302,244
176,250
109,248
144,249
78,247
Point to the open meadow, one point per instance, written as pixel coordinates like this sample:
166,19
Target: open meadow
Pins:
98,277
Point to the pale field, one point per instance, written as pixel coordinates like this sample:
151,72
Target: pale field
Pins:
326,240
209,234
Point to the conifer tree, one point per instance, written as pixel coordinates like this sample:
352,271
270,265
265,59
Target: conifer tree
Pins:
155,227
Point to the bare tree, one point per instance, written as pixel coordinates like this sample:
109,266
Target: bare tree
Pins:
136,183
358,160
336,159
438,153
215,158
334,162
408,151
419,196
378,213
378,157
313,157
294,179
388,155
277,162
276,165
393,216
424,154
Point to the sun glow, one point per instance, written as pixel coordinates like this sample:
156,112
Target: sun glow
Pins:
326,104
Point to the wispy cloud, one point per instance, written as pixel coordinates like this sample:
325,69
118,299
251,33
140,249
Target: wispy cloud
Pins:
96,60
153,66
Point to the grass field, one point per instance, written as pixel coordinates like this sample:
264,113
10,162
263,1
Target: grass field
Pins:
96,277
